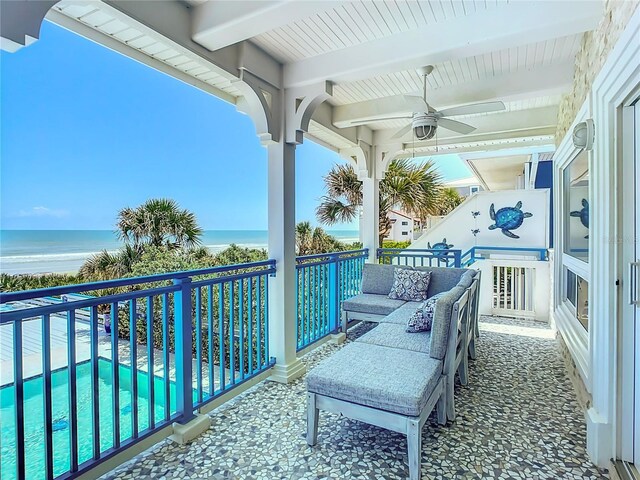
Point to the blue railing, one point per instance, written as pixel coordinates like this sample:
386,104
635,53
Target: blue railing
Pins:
422,257
323,282
113,392
476,253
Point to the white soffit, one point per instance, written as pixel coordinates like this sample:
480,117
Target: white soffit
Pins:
102,18
499,173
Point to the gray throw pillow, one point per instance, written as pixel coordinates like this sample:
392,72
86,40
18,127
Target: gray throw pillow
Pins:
410,285
422,319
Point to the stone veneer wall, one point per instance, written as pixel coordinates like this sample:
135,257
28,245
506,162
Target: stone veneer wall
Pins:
594,50
583,396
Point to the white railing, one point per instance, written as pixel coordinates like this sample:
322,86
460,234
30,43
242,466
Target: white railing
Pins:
514,288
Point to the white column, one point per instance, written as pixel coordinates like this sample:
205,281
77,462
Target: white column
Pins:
369,226
282,287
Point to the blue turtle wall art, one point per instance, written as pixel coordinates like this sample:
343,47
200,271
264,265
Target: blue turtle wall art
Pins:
583,214
508,218
442,248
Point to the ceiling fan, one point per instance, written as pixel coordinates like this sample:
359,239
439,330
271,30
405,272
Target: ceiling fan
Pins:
425,123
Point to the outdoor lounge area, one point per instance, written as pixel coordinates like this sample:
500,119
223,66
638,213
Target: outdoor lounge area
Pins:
506,426
501,341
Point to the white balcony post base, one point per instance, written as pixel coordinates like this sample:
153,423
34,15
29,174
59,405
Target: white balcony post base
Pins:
183,434
288,373
338,338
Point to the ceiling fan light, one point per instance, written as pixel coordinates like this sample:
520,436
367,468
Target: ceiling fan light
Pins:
424,132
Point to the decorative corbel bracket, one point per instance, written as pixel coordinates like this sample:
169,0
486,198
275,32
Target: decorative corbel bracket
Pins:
384,155
20,22
260,101
361,158
300,103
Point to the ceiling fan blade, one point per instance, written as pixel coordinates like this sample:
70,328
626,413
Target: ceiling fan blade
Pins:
418,103
485,107
456,126
402,132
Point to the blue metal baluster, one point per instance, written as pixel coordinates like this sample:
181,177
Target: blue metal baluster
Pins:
212,378
150,364
298,332
46,395
323,299
73,393
221,349
165,356
115,376
250,324
18,397
259,322
266,322
241,327
232,362
314,303
303,292
133,355
199,344
95,382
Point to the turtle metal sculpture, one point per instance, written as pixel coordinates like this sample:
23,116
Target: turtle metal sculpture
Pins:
442,248
508,218
583,214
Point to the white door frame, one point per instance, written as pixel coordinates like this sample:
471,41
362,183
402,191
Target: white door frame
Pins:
628,421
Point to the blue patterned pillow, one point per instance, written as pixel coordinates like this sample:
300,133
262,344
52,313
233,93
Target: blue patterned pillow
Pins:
410,285
422,319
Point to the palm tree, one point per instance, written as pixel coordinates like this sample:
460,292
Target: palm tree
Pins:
311,240
449,200
158,222
106,265
413,187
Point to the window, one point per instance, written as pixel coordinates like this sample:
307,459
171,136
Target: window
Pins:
405,223
576,207
577,295
474,189
405,233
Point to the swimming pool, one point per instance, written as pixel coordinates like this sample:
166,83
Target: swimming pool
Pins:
34,416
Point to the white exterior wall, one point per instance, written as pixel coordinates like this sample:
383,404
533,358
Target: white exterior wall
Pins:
458,225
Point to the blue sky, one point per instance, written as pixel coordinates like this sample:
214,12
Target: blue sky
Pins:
86,131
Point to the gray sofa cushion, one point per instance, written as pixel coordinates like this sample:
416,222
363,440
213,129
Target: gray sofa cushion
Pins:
442,278
377,279
377,377
442,321
370,303
394,335
402,314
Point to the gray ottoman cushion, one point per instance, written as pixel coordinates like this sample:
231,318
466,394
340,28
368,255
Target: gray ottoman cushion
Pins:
402,314
395,336
369,303
385,378
377,279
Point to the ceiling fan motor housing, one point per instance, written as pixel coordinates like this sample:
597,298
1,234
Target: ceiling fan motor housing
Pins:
424,125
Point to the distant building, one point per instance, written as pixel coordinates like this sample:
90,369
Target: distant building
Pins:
466,186
401,226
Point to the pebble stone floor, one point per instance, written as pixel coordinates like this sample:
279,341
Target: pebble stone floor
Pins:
517,419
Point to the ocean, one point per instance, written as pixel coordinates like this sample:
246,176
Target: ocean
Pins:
60,251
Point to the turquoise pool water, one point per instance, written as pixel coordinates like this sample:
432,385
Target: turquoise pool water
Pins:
34,417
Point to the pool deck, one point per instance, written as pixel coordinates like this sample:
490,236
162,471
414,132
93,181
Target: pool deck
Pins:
517,419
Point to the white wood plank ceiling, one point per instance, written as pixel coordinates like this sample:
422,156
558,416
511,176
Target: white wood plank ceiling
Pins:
475,46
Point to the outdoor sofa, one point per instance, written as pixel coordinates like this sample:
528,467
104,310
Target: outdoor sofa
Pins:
389,377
